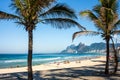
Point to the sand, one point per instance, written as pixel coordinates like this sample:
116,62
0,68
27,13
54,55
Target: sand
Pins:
89,69
56,65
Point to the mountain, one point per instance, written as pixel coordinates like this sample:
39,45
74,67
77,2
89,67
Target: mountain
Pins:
82,48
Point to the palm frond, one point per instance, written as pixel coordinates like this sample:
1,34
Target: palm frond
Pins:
18,6
89,14
94,18
116,32
80,33
103,2
113,4
63,23
4,15
59,10
96,9
100,26
117,24
42,4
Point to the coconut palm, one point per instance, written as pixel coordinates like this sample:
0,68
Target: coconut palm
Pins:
31,12
106,21
115,56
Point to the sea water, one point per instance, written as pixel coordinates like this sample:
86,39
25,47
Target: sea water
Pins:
20,60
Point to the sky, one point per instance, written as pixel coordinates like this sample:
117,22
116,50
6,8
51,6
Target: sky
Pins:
14,39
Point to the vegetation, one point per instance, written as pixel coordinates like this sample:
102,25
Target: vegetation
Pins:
31,12
4,15
106,21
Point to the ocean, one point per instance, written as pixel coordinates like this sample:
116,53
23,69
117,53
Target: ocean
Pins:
15,60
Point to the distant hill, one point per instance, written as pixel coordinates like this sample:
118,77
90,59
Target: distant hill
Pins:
82,48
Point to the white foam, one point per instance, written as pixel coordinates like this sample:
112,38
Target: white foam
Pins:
21,60
47,59
13,61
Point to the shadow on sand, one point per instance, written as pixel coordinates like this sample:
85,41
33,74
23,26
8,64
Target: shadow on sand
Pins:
79,73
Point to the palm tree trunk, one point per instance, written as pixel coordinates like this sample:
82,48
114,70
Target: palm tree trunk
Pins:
115,57
30,74
107,57
116,63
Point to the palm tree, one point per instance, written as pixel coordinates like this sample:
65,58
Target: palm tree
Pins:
106,21
115,56
31,12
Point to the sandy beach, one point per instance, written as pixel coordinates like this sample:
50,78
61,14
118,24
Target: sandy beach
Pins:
88,69
56,65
